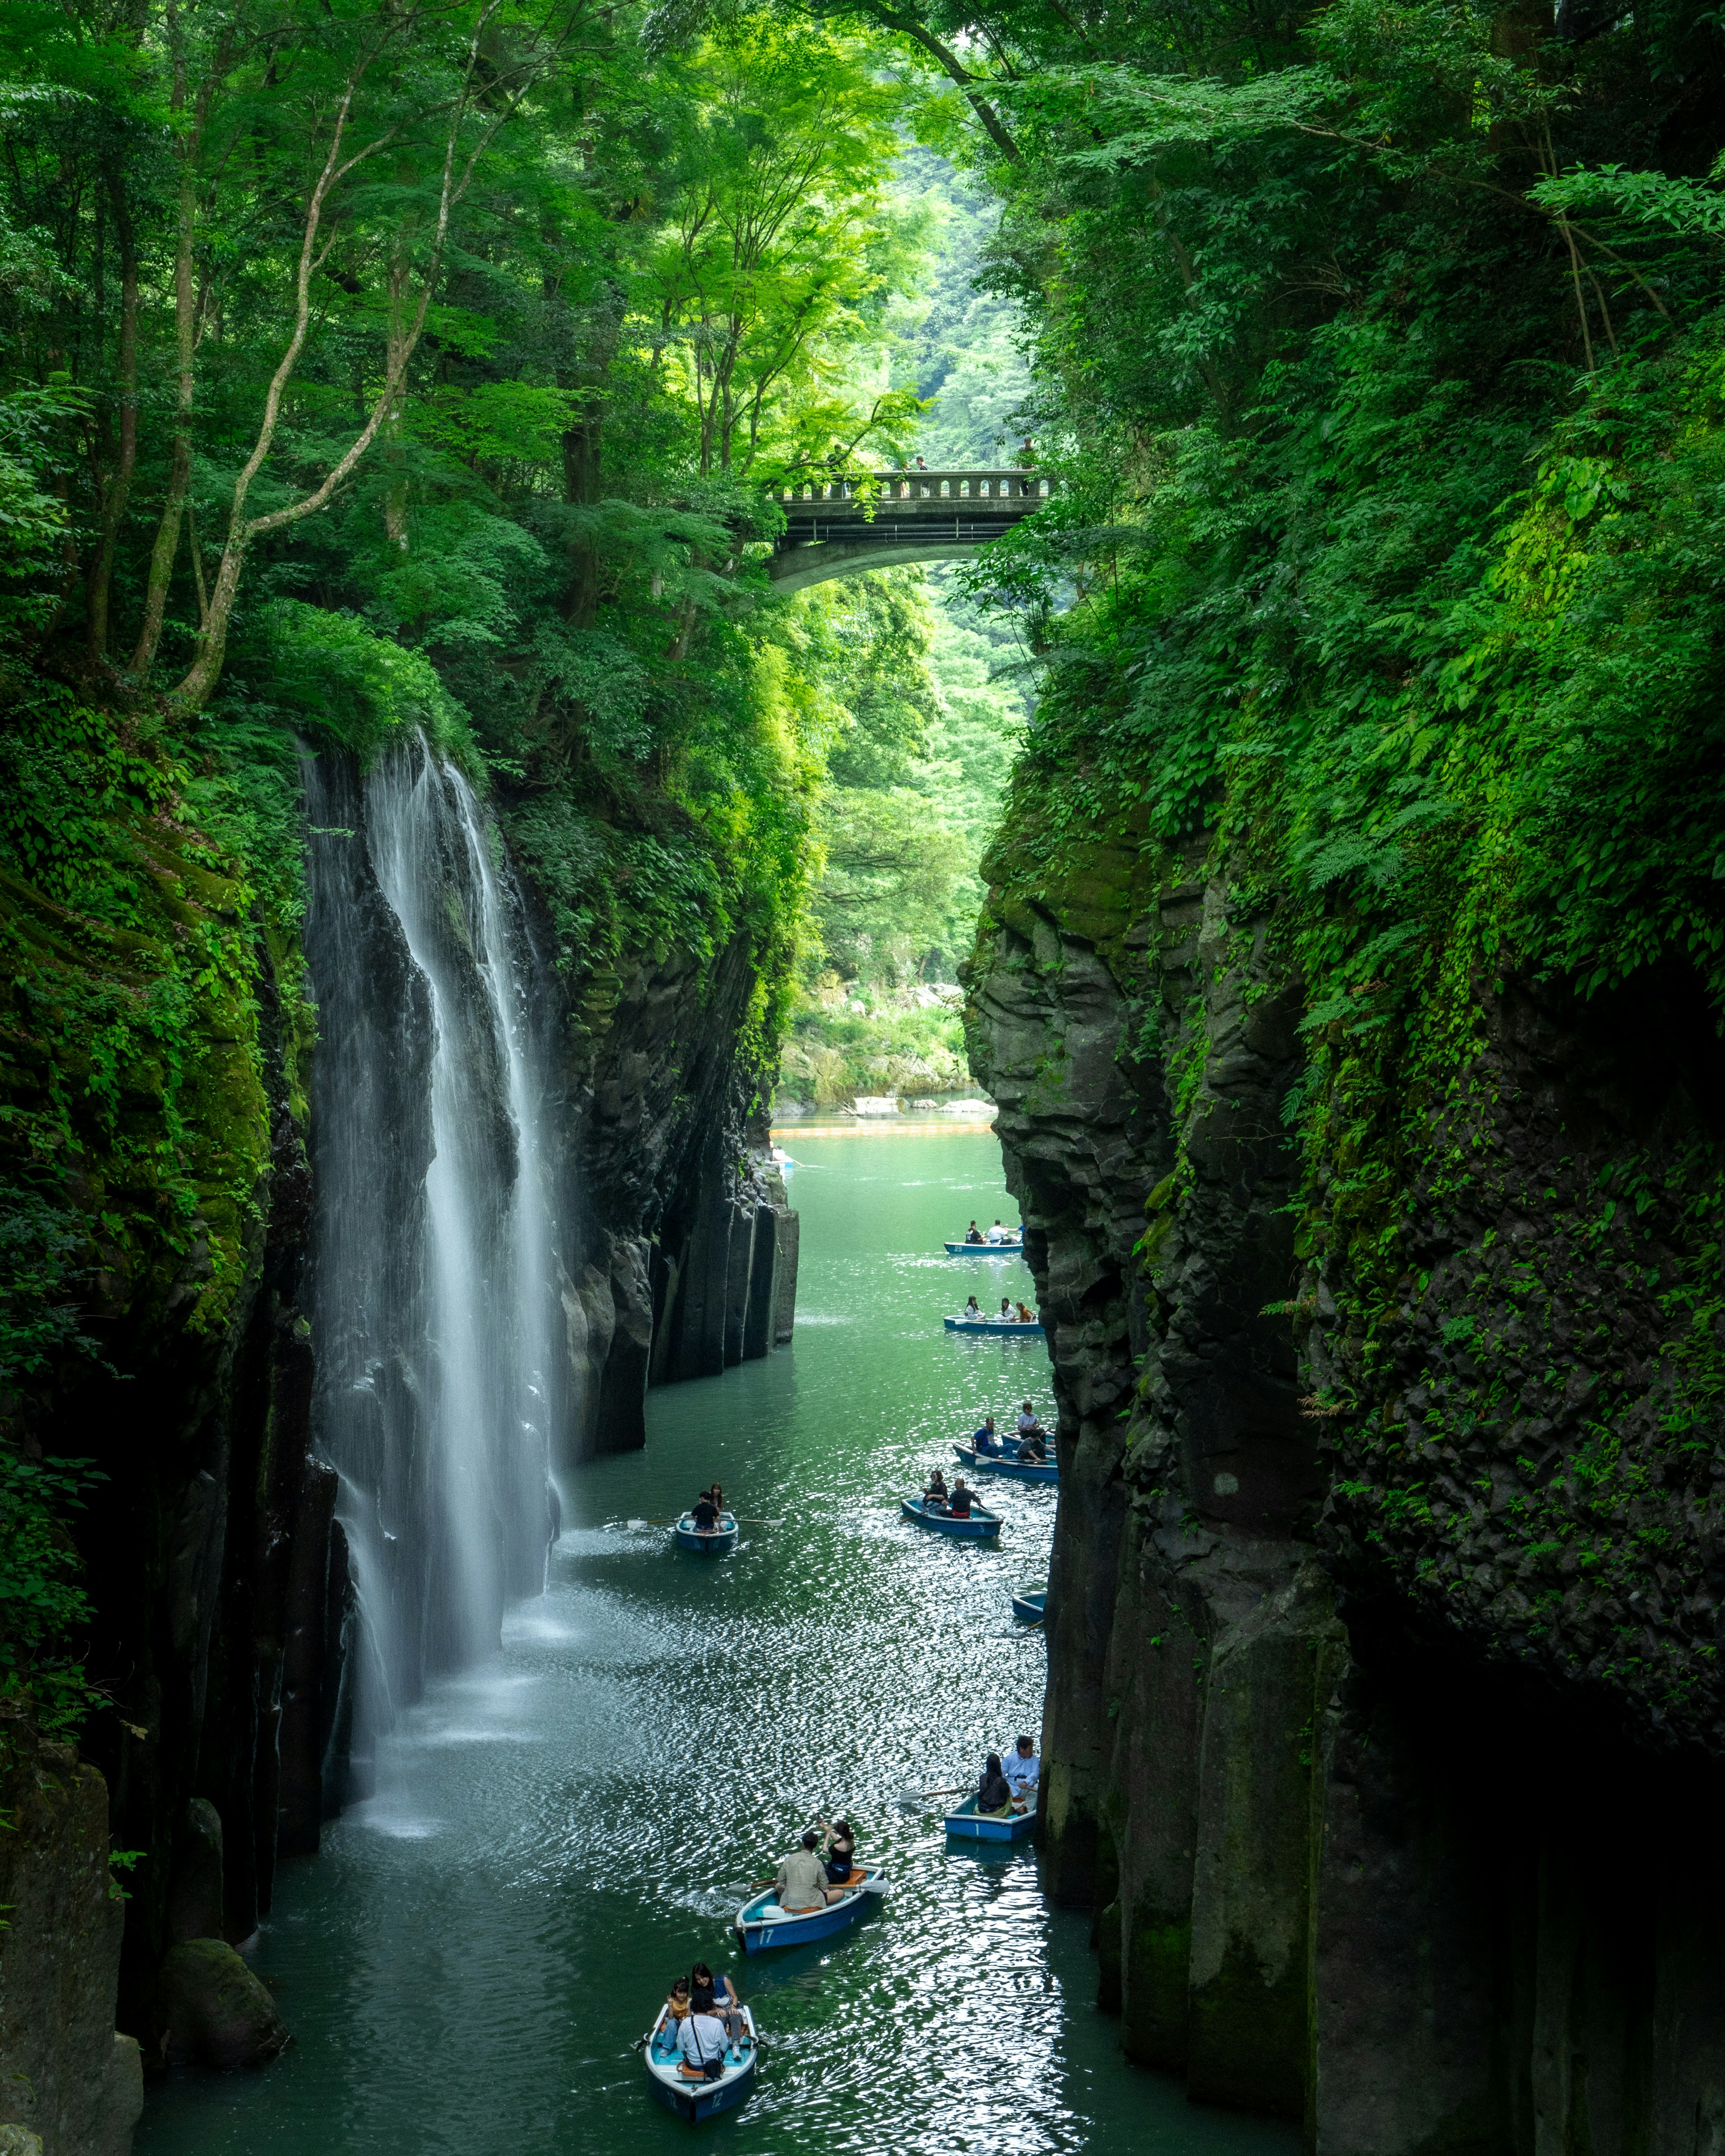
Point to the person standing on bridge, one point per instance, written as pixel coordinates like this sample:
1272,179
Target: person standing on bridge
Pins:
1027,455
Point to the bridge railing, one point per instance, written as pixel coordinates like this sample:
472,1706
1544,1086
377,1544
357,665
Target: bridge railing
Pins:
986,485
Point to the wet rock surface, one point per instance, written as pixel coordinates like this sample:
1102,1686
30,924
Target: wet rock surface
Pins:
213,2010
66,2076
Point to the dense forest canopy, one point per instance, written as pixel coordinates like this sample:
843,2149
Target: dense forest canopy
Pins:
365,366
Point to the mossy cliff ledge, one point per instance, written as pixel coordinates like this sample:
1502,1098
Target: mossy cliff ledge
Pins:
1384,1728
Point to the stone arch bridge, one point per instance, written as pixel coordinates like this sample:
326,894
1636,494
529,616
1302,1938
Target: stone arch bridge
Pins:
917,516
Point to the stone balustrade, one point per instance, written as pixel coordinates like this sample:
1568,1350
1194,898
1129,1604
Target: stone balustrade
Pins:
1021,488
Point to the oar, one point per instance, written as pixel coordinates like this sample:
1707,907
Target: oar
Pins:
924,1796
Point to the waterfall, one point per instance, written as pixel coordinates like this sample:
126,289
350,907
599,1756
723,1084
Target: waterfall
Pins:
433,1267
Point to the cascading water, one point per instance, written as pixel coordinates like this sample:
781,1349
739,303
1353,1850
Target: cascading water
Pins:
433,1259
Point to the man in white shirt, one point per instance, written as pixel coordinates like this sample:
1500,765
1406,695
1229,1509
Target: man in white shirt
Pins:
997,1234
701,2036
1022,1768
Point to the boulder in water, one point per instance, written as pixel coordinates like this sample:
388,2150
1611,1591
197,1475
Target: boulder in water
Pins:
213,2010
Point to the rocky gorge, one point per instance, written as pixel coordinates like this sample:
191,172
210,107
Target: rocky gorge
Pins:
230,1636
1384,1719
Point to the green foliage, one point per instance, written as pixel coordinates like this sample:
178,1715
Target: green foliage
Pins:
43,1607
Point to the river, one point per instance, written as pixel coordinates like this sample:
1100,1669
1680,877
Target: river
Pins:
562,1830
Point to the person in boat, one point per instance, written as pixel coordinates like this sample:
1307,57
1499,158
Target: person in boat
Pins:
717,1494
997,1234
1026,1315
994,1792
934,1490
973,1234
973,1308
1005,1317
1022,1770
728,2004
677,2005
987,1444
1033,1448
962,1499
801,1883
701,2039
705,1513
839,1851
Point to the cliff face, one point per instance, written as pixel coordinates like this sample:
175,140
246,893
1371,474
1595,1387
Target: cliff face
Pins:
221,1580
1364,1769
66,2076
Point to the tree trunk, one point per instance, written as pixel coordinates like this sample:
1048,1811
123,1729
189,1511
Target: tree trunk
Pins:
118,489
179,480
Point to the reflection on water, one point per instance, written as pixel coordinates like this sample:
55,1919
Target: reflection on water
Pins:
558,1834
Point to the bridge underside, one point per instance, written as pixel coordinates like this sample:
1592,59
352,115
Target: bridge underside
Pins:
795,568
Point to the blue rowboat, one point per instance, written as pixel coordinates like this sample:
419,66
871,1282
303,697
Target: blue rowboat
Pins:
985,1250
762,1924
983,1525
1014,1326
1021,1471
1016,1826
696,2100
706,1541
1029,1604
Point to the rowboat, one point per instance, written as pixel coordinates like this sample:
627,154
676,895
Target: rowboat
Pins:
762,1924
706,1541
1021,1471
696,2100
984,1250
1016,1826
1029,1604
982,1525
1015,1326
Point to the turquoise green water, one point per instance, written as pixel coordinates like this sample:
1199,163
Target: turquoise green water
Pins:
466,1966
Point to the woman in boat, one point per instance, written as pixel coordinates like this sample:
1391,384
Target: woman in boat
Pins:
935,1490
1006,1310
839,1851
717,1494
994,1792
973,1308
726,2003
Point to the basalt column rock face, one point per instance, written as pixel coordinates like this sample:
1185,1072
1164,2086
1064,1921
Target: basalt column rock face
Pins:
65,2075
683,1258
1353,1858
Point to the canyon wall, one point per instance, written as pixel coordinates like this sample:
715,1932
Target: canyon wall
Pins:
1383,1710
225,1619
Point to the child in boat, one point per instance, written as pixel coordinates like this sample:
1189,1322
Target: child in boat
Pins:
678,2003
727,2004
993,1794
